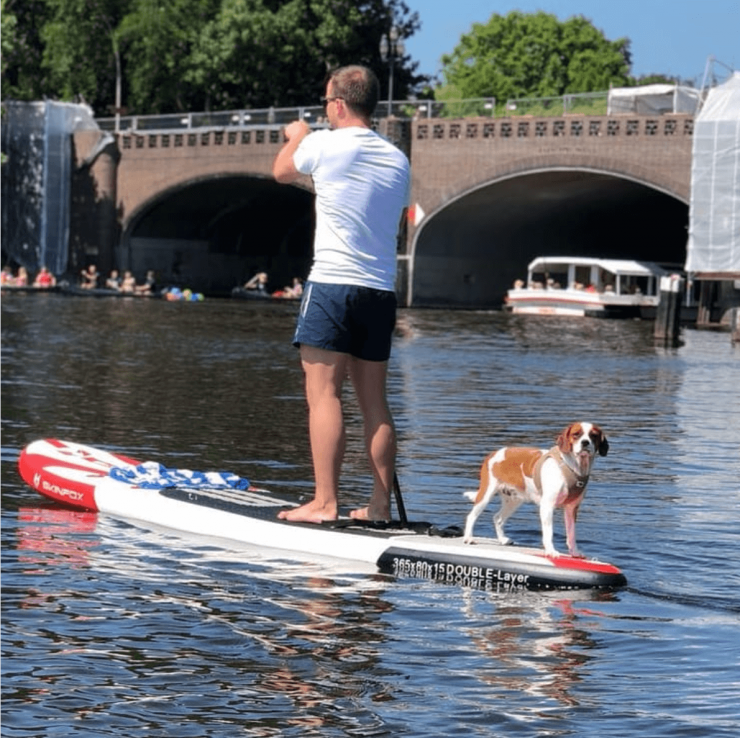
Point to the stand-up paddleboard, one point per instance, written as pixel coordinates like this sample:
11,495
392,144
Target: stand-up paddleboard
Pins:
226,506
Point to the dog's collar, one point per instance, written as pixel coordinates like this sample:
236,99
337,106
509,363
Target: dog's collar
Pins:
573,480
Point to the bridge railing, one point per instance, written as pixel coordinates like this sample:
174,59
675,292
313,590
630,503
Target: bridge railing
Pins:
582,103
279,117
590,103
266,117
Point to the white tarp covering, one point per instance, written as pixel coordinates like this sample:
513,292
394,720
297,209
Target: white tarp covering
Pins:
653,100
37,180
714,212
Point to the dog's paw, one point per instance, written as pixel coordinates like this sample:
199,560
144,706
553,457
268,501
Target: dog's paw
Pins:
505,541
468,539
552,552
576,554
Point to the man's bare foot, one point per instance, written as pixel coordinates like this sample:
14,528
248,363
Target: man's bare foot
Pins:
311,512
365,513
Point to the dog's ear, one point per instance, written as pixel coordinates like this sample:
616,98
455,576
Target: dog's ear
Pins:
603,444
565,440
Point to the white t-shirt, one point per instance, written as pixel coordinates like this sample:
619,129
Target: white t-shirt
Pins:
362,184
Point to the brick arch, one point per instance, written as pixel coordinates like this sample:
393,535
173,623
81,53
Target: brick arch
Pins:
636,172
451,157
157,169
142,205
152,164
459,257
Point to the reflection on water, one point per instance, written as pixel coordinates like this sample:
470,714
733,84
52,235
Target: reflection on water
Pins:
112,629
549,665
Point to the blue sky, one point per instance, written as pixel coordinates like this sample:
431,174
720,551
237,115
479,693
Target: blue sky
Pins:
672,37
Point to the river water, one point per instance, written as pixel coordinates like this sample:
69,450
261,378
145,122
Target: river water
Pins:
111,629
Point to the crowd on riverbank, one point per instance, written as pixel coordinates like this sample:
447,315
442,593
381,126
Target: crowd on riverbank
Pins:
91,281
43,280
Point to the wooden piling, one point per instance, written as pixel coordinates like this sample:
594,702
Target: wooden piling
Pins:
735,325
668,319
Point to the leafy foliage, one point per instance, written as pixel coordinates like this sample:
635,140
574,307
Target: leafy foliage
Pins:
158,40
195,54
78,48
533,55
254,55
23,76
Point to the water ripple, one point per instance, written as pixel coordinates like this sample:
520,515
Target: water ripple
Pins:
112,629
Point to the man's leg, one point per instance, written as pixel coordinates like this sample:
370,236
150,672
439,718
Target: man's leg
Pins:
324,373
369,380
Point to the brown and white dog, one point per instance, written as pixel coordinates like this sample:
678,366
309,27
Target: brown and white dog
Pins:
550,479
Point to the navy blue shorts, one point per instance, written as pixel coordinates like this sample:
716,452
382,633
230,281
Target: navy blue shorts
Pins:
349,320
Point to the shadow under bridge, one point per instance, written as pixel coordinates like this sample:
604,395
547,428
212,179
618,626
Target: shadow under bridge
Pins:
214,233
470,251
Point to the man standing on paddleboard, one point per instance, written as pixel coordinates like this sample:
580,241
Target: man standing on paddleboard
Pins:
348,311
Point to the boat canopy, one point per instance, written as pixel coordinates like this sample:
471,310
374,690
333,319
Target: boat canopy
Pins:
615,266
37,180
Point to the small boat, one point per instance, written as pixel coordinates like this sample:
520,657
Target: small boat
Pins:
27,289
583,286
242,293
78,291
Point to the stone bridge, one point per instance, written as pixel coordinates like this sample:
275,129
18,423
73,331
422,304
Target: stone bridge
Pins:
199,206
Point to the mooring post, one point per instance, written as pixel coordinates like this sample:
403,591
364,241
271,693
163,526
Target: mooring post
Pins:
735,325
668,319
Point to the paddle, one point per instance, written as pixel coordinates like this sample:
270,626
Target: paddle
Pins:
399,500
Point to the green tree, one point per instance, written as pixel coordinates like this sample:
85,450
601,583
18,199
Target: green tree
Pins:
9,23
175,55
533,55
258,53
157,40
79,45
23,76
654,79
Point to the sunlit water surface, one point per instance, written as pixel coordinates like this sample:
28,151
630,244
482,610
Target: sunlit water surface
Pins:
111,629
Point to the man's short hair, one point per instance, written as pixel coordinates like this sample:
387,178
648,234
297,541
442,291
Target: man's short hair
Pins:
357,86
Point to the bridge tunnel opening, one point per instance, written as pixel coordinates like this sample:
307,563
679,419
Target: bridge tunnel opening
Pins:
468,254
213,235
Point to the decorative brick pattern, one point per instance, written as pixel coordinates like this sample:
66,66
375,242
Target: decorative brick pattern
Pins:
507,128
652,150
449,156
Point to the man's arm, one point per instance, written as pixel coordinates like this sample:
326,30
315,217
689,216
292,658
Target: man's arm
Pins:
283,168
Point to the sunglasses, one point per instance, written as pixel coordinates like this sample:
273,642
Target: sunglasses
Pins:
326,100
